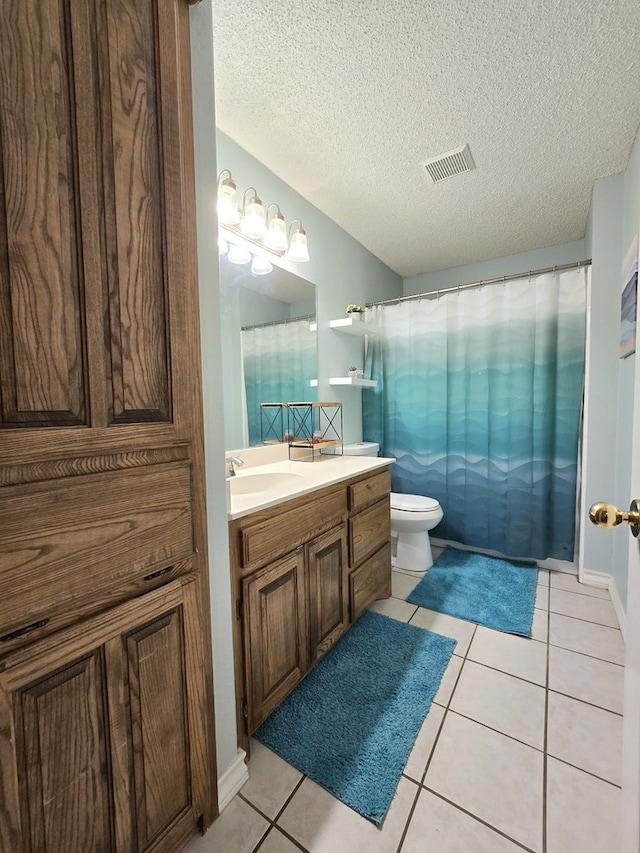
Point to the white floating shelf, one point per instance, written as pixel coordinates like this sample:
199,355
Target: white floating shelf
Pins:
351,326
353,380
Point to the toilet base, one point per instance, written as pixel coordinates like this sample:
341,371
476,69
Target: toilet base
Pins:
412,552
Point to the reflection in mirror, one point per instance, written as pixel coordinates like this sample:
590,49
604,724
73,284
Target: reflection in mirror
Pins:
269,351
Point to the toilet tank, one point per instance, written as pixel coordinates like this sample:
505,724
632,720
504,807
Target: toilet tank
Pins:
361,448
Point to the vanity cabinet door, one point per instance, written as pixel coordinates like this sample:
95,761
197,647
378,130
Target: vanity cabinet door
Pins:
102,732
328,590
276,634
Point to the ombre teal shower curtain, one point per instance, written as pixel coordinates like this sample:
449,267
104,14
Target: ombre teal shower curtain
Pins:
279,363
479,399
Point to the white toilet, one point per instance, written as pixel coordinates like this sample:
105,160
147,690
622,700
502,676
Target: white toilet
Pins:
412,517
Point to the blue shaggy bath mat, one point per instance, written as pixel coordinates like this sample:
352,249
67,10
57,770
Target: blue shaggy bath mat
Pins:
352,722
497,593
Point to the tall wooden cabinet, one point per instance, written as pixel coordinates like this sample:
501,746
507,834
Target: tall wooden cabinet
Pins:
106,706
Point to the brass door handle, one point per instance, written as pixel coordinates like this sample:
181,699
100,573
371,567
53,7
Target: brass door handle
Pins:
609,516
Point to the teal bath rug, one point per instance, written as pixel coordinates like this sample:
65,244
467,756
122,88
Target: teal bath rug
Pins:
497,593
352,722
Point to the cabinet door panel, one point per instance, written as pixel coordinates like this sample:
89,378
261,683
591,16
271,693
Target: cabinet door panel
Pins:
64,760
41,333
134,196
368,531
369,581
159,725
328,616
276,634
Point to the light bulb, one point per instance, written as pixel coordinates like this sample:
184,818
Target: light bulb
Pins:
238,254
261,266
228,212
298,250
254,220
276,236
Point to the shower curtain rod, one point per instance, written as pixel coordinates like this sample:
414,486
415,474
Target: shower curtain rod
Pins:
278,322
482,282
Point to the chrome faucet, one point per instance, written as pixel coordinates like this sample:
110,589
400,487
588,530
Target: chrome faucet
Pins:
232,461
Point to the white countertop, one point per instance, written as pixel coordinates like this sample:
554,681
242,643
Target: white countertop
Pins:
325,471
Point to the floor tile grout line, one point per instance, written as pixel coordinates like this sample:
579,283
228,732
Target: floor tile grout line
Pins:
497,731
593,657
273,821
585,702
433,746
583,594
588,772
587,621
586,655
479,819
504,672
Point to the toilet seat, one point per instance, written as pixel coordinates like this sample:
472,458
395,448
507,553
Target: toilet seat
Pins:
413,503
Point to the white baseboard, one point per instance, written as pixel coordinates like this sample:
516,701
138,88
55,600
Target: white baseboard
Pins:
233,778
607,581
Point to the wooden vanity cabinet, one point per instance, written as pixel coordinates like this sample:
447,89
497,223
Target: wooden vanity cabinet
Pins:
302,571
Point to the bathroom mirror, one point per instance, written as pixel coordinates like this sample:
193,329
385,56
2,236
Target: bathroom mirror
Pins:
269,346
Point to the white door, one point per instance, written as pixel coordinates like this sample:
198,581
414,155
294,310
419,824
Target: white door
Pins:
631,722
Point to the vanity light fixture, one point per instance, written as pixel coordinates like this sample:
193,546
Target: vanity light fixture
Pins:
298,249
228,212
252,223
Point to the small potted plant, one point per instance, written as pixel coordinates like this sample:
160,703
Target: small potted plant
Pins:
354,310
353,371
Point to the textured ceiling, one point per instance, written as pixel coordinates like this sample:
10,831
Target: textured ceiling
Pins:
343,99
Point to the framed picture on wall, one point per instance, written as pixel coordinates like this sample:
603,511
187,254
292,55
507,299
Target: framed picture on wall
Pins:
629,300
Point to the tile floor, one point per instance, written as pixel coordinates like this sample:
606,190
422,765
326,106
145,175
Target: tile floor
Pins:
521,749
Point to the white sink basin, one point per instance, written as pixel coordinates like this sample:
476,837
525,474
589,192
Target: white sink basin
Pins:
249,484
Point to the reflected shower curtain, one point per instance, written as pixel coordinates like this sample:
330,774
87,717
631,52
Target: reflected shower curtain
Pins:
279,363
479,398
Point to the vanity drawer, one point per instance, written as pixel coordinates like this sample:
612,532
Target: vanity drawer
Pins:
91,543
370,581
365,492
368,531
279,534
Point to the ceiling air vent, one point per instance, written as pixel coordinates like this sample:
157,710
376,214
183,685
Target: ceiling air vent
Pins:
450,164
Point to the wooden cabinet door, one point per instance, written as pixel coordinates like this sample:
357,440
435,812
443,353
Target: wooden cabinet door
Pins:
328,590
101,729
101,456
275,634
62,766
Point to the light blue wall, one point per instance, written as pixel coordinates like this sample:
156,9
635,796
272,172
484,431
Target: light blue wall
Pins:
627,367
340,267
604,237
564,253
218,537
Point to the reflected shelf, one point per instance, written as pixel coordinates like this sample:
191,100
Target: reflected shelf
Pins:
353,380
351,326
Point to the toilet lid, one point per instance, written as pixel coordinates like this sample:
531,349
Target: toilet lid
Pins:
413,503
